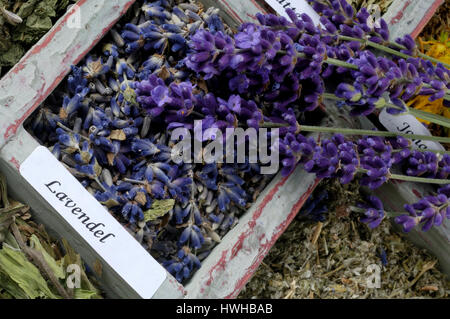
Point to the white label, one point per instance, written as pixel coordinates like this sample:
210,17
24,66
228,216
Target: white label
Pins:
93,222
299,7
408,124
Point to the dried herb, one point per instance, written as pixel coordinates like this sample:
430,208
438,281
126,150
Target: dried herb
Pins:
439,23
331,259
32,265
16,37
159,209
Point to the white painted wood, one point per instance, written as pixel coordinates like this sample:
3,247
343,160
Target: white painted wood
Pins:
409,16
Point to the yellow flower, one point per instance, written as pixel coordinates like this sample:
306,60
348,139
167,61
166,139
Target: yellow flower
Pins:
421,102
439,49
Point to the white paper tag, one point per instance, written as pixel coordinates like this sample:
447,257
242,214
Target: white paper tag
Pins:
408,124
299,6
93,222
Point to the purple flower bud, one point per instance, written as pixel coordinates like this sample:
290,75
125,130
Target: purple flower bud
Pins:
375,211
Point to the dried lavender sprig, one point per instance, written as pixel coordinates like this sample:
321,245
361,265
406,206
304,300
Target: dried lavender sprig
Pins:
429,211
342,17
390,50
338,157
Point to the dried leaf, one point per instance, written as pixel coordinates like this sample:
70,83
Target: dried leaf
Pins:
15,265
118,135
141,198
159,208
98,268
55,266
84,294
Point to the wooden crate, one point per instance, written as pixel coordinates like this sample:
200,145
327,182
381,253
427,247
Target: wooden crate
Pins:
29,83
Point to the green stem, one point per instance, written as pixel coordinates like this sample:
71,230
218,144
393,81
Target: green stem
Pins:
340,63
331,96
349,131
420,179
394,214
328,60
375,45
433,118
273,125
413,178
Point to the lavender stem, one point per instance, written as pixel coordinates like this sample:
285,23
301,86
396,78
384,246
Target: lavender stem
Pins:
349,131
413,178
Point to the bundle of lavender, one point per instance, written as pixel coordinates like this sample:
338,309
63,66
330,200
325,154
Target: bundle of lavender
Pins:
124,115
32,264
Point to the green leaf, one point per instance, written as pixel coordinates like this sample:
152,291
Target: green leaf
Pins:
55,266
46,8
159,208
11,241
71,255
16,266
12,55
11,287
433,118
27,8
84,294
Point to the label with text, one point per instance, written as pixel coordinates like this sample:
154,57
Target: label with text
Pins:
93,222
299,7
408,124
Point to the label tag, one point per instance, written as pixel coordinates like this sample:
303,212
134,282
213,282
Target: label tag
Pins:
93,222
299,6
408,124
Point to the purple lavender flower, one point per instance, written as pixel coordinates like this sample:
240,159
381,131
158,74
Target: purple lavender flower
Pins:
400,150
183,264
294,149
424,164
325,159
429,211
376,158
374,214
357,98
206,46
193,236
